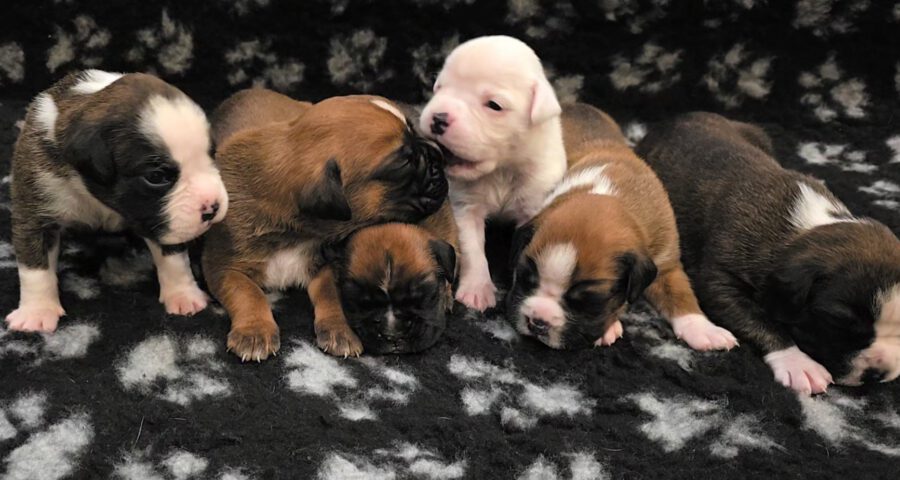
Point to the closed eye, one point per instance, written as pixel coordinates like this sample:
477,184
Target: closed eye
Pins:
493,106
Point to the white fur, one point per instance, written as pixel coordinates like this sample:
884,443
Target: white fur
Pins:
697,331
796,370
52,453
45,115
71,203
291,267
589,177
178,290
39,307
180,126
555,264
884,352
514,157
812,209
387,106
92,81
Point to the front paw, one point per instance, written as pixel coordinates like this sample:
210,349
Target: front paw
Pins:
700,334
339,341
478,293
255,341
613,333
185,301
29,318
797,371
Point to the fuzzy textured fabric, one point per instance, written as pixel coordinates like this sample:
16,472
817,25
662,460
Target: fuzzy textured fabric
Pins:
124,391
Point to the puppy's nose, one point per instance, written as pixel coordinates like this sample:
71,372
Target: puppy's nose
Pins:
209,212
537,326
439,123
872,375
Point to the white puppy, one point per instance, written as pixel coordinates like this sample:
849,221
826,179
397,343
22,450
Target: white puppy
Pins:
495,111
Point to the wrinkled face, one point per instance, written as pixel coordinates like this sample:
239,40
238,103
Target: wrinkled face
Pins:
394,291
156,172
490,94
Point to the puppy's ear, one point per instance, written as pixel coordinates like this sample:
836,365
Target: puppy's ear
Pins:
544,104
521,238
85,148
445,255
636,272
325,199
790,284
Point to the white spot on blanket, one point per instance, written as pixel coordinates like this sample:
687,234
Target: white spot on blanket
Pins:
176,370
743,431
84,288
428,59
582,466
675,352
29,409
355,60
179,465
12,63
557,399
340,467
736,75
894,144
6,249
498,328
540,470
516,419
71,341
127,271
676,422
86,43
254,62
169,43
183,465
651,71
830,97
315,373
843,420
635,132
841,156
886,193
52,453
7,430
477,402
135,469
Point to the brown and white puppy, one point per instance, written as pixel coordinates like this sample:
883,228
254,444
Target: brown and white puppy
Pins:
395,282
776,258
605,237
110,151
308,174
495,111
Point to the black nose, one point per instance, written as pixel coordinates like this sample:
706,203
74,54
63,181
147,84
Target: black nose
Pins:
439,123
872,375
537,326
209,213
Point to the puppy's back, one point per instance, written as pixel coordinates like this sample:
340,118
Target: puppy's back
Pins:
585,124
252,108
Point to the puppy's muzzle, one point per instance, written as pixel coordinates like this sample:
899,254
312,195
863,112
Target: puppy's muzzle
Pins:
439,123
209,212
537,326
433,186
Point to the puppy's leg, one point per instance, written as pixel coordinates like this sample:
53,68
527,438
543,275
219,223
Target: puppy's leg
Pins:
476,290
178,290
37,252
724,298
254,334
333,334
671,294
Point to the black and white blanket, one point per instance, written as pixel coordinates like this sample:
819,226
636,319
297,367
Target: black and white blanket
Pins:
124,391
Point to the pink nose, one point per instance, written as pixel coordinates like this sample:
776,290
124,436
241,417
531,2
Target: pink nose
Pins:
209,211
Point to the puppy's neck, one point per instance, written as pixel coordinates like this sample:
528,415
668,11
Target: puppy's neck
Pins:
542,144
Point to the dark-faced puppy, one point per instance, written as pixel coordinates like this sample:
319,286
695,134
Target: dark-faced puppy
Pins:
605,237
338,165
776,258
110,151
396,280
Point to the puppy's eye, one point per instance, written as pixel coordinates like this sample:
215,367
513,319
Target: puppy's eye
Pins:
526,275
493,106
161,177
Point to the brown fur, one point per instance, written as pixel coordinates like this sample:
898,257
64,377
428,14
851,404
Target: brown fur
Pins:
251,108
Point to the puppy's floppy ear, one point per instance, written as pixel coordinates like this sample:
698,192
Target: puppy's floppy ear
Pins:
544,104
84,147
325,198
790,284
636,272
445,255
521,238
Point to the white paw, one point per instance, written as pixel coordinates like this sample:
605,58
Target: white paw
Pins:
42,318
479,294
185,301
700,334
613,333
797,371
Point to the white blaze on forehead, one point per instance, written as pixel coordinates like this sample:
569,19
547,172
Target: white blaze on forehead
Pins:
179,124
45,114
812,209
555,266
592,177
387,106
92,81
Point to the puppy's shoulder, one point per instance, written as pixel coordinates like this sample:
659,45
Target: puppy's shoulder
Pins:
253,107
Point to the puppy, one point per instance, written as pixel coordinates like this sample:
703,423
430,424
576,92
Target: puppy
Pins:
395,282
110,151
776,258
498,116
605,237
298,181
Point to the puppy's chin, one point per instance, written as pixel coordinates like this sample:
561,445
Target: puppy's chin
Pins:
459,169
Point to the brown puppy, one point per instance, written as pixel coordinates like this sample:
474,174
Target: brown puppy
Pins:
396,282
339,165
605,236
111,151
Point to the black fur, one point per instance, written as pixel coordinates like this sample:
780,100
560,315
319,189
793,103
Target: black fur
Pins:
636,273
445,256
417,186
326,200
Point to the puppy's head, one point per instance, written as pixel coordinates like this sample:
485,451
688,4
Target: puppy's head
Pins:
372,166
837,292
490,94
143,148
395,287
575,268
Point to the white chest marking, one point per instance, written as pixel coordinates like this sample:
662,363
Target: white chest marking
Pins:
291,267
71,203
812,209
589,177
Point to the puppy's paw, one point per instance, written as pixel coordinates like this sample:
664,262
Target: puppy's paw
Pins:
479,294
700,334
338,341
255,341
613,333
185,301
35,318
797,371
